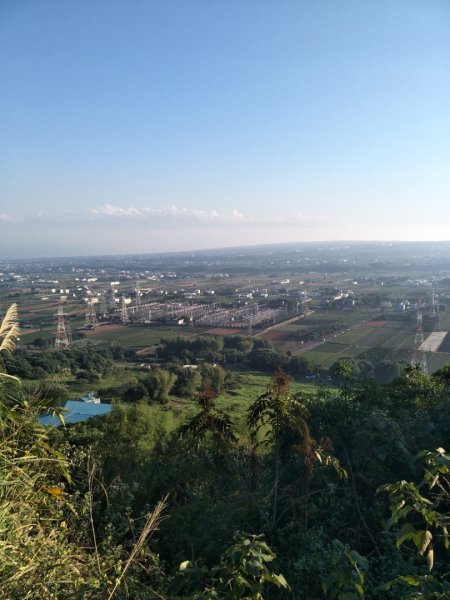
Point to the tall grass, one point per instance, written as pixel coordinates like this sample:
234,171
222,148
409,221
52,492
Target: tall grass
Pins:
48,545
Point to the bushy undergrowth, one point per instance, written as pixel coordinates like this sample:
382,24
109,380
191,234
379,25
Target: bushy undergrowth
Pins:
333,494
48,545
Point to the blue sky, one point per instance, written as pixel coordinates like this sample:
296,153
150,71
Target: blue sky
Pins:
152,125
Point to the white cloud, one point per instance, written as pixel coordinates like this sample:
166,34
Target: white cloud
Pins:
108,210
171,216
235,217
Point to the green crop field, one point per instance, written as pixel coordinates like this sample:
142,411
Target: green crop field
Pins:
293,327
337,318
353,336
445,346
130,337
28,338
249,386
436,360
136,337
326,359
333,347
398,340
444,319
377,337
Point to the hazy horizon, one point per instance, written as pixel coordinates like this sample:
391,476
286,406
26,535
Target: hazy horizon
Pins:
243,248
167,127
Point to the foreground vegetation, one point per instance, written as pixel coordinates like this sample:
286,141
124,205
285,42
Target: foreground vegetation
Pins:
321,494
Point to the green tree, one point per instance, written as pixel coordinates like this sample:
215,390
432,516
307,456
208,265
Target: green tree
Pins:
134,392
208,422
40,343
187,383
214,375
385,371
159,385
281,415
343,370
299,365
266,359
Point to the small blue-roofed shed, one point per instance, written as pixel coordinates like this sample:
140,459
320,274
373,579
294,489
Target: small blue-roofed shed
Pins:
75,411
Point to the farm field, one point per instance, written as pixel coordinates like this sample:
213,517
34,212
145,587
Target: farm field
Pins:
436,360
337,317
444,319
130,337
286,336
285,277
224,331
135,337
357,333
325,359
28,337
291,327
445,346
353,336
387,335
249,386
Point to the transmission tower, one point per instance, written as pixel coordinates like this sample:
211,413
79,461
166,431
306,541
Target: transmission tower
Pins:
91,317
62,340
104,306
111,298
190,316
136,310
419,357
138,295
124,311
435,307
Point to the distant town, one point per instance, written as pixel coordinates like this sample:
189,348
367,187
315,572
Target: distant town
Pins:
320,300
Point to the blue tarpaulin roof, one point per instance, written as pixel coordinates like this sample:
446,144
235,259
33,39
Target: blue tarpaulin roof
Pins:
75,411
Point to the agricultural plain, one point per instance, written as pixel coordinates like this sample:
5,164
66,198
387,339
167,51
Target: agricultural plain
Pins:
320,302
